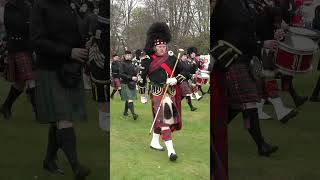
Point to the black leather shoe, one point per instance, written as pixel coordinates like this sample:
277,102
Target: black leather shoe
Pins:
290,115
194,109
267,149
173,157
135,116
299,101
6,112
81,173
125,114
52,167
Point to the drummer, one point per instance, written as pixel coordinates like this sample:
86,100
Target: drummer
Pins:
192,52
268,29
185,67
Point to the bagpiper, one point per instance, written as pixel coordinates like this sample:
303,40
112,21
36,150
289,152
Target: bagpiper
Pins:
159,66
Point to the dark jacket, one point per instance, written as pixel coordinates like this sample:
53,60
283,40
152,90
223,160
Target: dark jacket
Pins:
54,32
127,71
115,69
16,21
233,21
186,69
159,76
264,27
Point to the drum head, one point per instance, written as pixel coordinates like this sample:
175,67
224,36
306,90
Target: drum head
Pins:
302,31
298,44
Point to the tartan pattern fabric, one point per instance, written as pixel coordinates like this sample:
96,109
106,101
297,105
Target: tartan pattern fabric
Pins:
166,135
19,67
185,88
267,88
159,122
116,84
241,86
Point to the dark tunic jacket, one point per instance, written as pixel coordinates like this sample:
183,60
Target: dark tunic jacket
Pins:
233,21
16,21
54,32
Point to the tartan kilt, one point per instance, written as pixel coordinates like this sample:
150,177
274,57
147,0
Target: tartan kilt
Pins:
185,88
127,93
159,122
54,102
116,84
19,67
241,86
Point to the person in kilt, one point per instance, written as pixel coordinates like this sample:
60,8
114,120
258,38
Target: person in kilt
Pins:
268,27
19,70
158,66
98,53
235,89
115,70
186,70
128,75
192,52
60,95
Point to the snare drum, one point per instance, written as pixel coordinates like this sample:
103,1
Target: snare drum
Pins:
313,34
202,77
295,54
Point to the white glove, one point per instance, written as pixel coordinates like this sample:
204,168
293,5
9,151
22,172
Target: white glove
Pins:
144,99
172,81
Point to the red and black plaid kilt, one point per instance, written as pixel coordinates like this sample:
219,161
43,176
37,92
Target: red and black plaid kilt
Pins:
155,103
19,67
241,86
116,84
185,88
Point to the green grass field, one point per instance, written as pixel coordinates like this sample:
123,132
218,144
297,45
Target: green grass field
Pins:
298,156
23,144
132,158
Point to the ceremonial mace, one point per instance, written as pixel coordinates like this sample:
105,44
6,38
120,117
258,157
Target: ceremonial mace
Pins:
166,89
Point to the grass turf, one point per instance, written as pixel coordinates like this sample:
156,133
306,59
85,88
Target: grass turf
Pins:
23,144
297,158
132,158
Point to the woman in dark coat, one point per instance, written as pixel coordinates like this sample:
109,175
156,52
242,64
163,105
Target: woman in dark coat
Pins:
60,96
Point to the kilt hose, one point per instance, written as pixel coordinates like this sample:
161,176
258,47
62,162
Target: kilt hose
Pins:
19,67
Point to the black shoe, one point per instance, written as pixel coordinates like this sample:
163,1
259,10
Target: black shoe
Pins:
290,115
52,167
125,114
6,112
193,108
81,173
314,99
299,101
135,116
267,149
173,157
